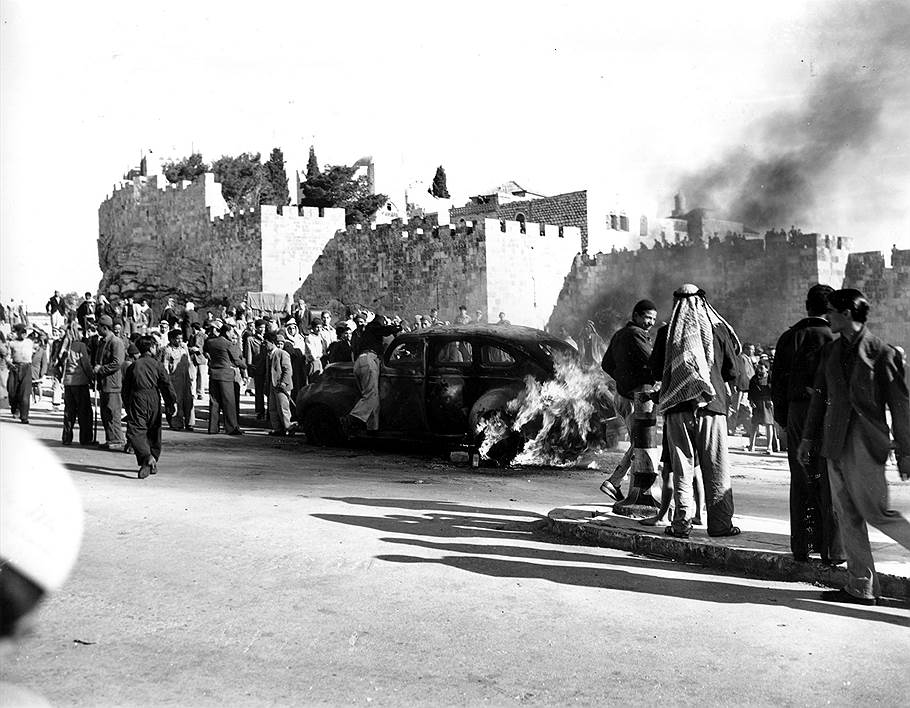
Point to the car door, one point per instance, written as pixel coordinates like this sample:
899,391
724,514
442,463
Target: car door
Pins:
449,381
401,388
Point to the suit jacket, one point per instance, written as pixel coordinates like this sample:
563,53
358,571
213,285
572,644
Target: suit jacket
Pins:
110,356
279,372
223,357
626,359
796,361
875,378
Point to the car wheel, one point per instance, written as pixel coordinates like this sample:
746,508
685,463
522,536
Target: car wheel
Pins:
322,427
502,452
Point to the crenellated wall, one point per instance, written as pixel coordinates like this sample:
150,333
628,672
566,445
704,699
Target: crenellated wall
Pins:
409,268
158,240
759,286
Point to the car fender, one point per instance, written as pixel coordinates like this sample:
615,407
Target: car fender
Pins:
337,396
495,399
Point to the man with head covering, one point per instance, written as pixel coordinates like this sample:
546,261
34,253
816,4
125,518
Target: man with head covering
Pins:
627,362
858,377
696,354
109,377
256,357
279,381
19,382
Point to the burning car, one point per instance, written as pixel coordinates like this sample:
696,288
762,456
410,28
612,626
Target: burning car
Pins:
437,384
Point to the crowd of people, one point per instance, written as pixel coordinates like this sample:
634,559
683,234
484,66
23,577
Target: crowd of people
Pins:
835,389
113,360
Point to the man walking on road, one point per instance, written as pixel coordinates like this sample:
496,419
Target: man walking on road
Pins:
626,360
108,368
19,382
146,382
858,376
697,357
799,349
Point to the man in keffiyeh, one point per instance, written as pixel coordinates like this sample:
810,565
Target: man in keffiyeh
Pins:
697,351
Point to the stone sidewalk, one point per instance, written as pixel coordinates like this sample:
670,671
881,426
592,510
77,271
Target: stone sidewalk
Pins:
761,551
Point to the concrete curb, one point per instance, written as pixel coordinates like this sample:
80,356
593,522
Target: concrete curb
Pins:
753,563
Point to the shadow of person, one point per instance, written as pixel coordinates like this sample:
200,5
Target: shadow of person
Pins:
422,504
95,469
604,577
442,525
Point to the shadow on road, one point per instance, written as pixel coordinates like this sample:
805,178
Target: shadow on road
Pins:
550,563
128,473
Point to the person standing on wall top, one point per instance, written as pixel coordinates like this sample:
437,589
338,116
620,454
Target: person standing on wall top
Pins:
369,348
627,362
813,524
859,375
462,318
697,356
108,372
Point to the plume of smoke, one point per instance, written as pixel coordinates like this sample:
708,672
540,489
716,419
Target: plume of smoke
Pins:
863,55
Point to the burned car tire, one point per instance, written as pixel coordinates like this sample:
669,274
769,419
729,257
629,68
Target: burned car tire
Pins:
505,450
322,427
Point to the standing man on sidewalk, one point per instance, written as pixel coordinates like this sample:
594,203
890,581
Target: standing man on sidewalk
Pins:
697,358
108,370
626,360
858,376
799,351
19,382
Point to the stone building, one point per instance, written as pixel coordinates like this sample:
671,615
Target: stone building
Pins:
157,240
490,265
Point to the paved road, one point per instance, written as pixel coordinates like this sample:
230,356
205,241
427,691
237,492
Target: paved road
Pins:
256,571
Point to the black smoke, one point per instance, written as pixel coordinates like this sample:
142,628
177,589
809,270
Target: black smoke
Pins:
860,56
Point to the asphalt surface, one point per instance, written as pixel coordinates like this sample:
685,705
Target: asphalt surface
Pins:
256,571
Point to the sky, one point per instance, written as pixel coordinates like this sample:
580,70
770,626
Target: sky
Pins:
624,98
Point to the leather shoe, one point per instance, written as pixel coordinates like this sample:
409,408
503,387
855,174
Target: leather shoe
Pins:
845,597
144,471
612,490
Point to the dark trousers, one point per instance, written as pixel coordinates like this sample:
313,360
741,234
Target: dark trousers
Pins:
812,521
19,388
111,414
143,425
222,401
259,396
77,406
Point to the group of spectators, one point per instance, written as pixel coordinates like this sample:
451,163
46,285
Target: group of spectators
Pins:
828,382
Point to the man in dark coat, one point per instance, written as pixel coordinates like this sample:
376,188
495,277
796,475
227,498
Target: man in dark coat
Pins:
108,360
812,520
858,377
145,383
222,358
626,360
85,310
256,358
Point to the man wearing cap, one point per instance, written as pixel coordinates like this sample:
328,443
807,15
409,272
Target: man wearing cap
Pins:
223,358
19,382
696,354
145,384
109,360
200,363
278,382
626,360
256,358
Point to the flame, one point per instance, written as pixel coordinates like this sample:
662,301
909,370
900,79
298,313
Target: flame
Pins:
557,423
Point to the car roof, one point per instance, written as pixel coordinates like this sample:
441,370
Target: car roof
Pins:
516,333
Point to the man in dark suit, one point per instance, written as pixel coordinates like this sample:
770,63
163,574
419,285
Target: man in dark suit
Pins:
799,349
222,356
108,371
858,376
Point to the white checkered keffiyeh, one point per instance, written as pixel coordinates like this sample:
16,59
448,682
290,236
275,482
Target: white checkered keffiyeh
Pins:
690,353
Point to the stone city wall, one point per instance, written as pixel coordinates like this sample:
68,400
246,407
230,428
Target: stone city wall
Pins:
758,286
158,240
405,269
